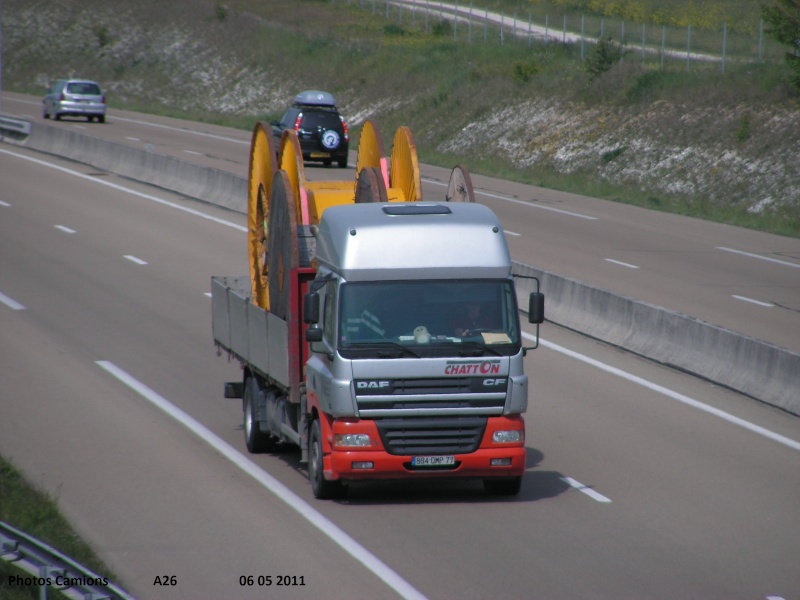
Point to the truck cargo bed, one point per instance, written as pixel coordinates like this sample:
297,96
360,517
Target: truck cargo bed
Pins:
256,337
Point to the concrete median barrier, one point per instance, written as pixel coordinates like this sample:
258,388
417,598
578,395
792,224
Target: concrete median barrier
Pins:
753,367
202,183
759,369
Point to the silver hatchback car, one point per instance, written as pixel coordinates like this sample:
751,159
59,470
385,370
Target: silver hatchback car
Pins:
75,98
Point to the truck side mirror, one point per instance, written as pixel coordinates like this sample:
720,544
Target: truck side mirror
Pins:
313,334
536,308
311,308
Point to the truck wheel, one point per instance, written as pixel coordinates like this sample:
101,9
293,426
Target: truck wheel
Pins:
503,487
321,487
256,440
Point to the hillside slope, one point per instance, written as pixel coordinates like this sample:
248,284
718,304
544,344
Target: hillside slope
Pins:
712,146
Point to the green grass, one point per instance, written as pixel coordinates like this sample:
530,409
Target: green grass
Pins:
35,513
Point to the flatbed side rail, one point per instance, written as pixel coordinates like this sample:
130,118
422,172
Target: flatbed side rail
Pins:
254,336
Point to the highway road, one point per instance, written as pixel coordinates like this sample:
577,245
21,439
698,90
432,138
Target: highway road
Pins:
739,279
642,482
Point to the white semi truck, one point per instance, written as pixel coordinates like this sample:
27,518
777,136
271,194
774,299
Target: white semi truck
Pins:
392,348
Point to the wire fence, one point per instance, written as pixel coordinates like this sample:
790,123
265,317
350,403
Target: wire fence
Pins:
654,45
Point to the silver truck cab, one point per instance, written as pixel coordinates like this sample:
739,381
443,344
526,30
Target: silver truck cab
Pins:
407,329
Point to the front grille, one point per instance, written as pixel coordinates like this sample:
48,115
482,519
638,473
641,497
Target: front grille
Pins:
426,436
445,396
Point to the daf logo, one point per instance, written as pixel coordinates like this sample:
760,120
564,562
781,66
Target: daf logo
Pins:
364,385
500,381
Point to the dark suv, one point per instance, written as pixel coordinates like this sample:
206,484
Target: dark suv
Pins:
320,128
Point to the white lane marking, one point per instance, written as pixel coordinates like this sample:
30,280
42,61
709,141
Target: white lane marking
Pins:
193,152
514,233
759,302
133,139
586,490
6,204
10,302
183,130
680,397
150,197
207,294
327,527
65,229
759,257
622,264
514,200
774,598
138,261
757,429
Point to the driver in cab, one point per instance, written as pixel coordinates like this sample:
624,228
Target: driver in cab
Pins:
471,320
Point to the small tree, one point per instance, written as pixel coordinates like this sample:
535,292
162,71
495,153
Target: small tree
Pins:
606,54
783,25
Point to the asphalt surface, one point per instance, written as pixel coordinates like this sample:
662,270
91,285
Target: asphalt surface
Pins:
739,279
642,482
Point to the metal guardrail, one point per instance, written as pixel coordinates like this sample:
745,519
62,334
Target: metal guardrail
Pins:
14,129
52,569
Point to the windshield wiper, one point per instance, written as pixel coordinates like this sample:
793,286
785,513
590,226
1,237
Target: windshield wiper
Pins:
399,349
476,349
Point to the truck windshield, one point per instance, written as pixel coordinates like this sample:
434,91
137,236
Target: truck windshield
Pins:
424,318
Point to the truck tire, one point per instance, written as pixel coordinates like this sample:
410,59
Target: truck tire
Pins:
503,487
256,440
321,487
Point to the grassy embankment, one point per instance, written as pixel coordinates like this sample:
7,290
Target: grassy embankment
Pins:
239,61
35,513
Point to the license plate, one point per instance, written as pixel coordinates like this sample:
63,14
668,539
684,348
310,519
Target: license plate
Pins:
432,461
320,155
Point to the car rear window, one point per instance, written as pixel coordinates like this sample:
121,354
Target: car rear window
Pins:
326,120
87,89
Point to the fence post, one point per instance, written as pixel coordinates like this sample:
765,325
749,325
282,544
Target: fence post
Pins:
455,23
469,25
643,41
688,44
663,44
724,42
582,22
760,40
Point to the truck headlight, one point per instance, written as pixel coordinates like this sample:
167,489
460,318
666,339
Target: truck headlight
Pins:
351,440
508,436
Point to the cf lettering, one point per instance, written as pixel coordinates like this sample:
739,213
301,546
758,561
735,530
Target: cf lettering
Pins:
500,381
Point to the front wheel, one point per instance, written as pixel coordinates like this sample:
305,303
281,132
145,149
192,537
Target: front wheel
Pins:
503,487
321,487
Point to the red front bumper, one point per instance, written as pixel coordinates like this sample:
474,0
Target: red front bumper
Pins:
349,463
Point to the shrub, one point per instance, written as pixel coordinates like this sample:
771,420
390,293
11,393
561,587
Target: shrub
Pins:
606,54
783,25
